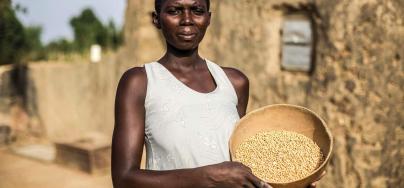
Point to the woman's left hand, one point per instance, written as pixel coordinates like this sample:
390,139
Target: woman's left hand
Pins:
314,184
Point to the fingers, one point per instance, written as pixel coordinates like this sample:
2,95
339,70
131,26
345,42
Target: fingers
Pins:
249,185
314,184
265,185
252,179
257,182
322,174
245,167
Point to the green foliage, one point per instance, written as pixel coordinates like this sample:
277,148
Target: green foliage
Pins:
33,36
114,36
89,30
60,45
34,49
19,43
12,37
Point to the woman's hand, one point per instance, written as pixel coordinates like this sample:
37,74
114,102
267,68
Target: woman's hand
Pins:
314,184
237,175
232,175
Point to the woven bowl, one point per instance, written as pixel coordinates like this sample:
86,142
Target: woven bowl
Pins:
287,118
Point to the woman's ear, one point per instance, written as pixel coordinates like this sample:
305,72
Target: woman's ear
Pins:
156,20
210,17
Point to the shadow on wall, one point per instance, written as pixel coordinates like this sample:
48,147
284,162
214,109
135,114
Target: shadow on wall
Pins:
18,107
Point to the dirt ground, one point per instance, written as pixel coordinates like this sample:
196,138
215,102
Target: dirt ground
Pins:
21,172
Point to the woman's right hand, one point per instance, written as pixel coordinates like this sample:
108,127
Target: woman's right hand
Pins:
231,175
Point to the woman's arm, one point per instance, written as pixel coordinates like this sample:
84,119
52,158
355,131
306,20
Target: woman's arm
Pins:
127,147
241,85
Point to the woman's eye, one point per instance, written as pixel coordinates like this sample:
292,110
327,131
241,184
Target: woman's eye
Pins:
173,11
199,11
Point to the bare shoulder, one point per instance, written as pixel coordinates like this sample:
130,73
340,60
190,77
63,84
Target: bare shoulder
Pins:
134,73
241,85
133,82
237,78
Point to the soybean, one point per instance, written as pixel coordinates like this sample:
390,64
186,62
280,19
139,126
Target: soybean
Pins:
279,156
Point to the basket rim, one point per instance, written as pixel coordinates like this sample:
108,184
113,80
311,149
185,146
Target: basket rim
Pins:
327,130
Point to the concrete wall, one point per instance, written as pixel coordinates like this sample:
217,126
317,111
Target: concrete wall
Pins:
64,101
75,98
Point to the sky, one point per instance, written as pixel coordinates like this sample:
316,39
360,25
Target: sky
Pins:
54,15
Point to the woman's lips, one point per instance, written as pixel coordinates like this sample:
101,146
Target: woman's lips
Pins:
187,36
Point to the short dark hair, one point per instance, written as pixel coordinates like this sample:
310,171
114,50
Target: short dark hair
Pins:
157,5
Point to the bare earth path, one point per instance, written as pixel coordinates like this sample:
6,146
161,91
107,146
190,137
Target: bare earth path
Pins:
21,172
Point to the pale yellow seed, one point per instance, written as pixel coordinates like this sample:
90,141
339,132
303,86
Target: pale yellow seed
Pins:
279,156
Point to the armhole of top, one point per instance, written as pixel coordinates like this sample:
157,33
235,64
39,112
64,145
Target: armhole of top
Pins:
148,88
149,73
231,86
225,79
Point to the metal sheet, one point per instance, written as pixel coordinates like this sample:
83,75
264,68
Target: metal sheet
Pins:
297,31
296,57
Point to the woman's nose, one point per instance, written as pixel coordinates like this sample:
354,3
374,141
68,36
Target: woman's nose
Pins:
187,18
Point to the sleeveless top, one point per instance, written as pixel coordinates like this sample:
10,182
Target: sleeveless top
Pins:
185,128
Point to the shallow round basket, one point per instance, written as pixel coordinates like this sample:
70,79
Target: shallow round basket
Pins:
287,118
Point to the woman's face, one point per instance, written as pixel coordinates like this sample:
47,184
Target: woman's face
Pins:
183,22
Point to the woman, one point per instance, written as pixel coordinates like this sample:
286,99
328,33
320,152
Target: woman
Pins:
183,107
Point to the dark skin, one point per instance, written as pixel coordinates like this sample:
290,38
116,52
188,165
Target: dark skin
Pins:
183,24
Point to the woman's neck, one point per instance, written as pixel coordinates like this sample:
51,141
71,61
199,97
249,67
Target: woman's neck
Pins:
182,59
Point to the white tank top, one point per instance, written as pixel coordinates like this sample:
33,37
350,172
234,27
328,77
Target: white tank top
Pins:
185,128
